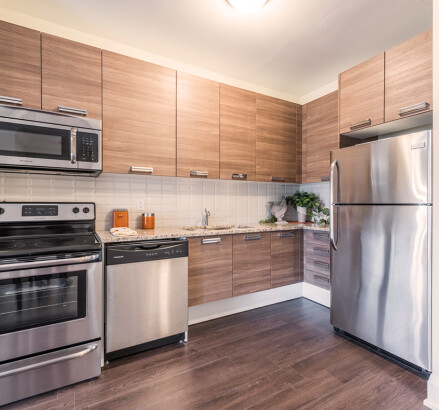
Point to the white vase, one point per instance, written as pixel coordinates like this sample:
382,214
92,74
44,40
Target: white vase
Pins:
301,214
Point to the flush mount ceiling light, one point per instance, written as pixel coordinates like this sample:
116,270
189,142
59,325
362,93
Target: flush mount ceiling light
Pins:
247,6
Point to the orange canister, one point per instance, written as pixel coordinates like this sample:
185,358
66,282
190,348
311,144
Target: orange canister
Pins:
120,218
148,221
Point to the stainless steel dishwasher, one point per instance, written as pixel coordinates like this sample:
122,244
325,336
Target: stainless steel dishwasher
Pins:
146,295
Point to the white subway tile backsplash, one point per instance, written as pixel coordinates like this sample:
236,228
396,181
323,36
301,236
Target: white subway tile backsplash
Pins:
175,201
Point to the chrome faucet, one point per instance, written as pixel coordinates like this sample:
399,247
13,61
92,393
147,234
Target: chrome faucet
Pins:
206,217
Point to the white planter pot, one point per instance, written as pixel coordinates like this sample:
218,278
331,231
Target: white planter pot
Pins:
301,214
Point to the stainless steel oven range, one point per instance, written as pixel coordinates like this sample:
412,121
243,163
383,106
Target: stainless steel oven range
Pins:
50,297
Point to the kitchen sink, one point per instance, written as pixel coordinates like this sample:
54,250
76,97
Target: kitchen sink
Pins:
208,228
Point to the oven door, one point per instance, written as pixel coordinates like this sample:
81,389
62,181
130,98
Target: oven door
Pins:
45,306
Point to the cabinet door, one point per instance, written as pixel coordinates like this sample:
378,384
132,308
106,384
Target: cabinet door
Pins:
320,136
20,66
197,126
210,269
71,77
276,131
361,95
237,133
286,255
139,114
317,260
409,77
251,263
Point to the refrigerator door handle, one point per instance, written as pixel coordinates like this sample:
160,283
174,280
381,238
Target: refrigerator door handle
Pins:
335,165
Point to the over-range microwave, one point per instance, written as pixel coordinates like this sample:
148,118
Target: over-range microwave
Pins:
35,141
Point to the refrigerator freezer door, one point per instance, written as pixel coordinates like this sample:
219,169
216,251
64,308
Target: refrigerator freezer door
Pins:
389,171
380,277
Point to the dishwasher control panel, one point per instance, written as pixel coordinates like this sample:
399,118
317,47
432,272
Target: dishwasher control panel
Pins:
145,251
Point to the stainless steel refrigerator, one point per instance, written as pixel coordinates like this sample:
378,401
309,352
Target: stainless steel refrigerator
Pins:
381,244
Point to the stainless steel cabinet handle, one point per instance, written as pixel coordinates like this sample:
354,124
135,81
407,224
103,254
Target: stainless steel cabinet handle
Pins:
210,240
252,237
286,235
413,108
322,264
48,262
11,100
72,110
278,179
239,176
324,178
144,170
333,241
361,124
199,173
320,279
320,250
49,362
320,236
73,133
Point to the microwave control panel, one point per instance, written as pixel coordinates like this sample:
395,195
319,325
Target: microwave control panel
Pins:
87,147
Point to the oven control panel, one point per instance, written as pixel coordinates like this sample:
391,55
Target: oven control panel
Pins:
34,211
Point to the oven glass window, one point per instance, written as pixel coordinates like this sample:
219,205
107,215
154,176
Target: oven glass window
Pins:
32,141
42,300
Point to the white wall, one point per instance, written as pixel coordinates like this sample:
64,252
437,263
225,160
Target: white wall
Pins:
175,201
432,400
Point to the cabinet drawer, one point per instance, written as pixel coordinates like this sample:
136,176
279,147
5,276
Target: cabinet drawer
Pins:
317,251
317,279
317,237
317,265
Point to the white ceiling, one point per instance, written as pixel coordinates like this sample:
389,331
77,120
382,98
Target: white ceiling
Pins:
290,46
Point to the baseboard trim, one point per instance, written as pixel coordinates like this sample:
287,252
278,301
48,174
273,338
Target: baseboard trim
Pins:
316,294
432,400
226,307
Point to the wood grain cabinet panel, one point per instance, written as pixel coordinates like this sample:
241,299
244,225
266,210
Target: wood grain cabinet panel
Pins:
71,76
409,77
276,132
320,119
197,126
251,263
20,65
139,115
361,93
286,255
317,258
210,269
237,133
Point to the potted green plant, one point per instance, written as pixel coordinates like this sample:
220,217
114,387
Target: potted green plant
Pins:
305,203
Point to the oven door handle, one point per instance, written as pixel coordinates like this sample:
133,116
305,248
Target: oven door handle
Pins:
49,362
47,263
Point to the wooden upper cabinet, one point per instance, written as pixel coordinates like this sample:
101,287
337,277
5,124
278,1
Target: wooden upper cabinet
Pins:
251,263
361,93
320,136
286,255
139,116
409,77
20,66
276,134
197,126
210,269
237,133
71,77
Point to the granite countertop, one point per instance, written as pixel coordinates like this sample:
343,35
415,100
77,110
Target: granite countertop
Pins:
178,232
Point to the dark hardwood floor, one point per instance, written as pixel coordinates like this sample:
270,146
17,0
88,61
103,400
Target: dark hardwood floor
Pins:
284,356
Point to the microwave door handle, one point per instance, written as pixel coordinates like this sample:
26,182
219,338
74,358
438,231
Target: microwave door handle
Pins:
73,133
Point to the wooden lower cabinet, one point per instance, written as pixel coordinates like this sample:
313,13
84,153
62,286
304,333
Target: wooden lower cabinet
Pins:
317,260
251,263
210,269
286,257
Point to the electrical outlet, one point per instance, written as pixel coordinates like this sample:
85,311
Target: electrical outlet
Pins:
140,204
